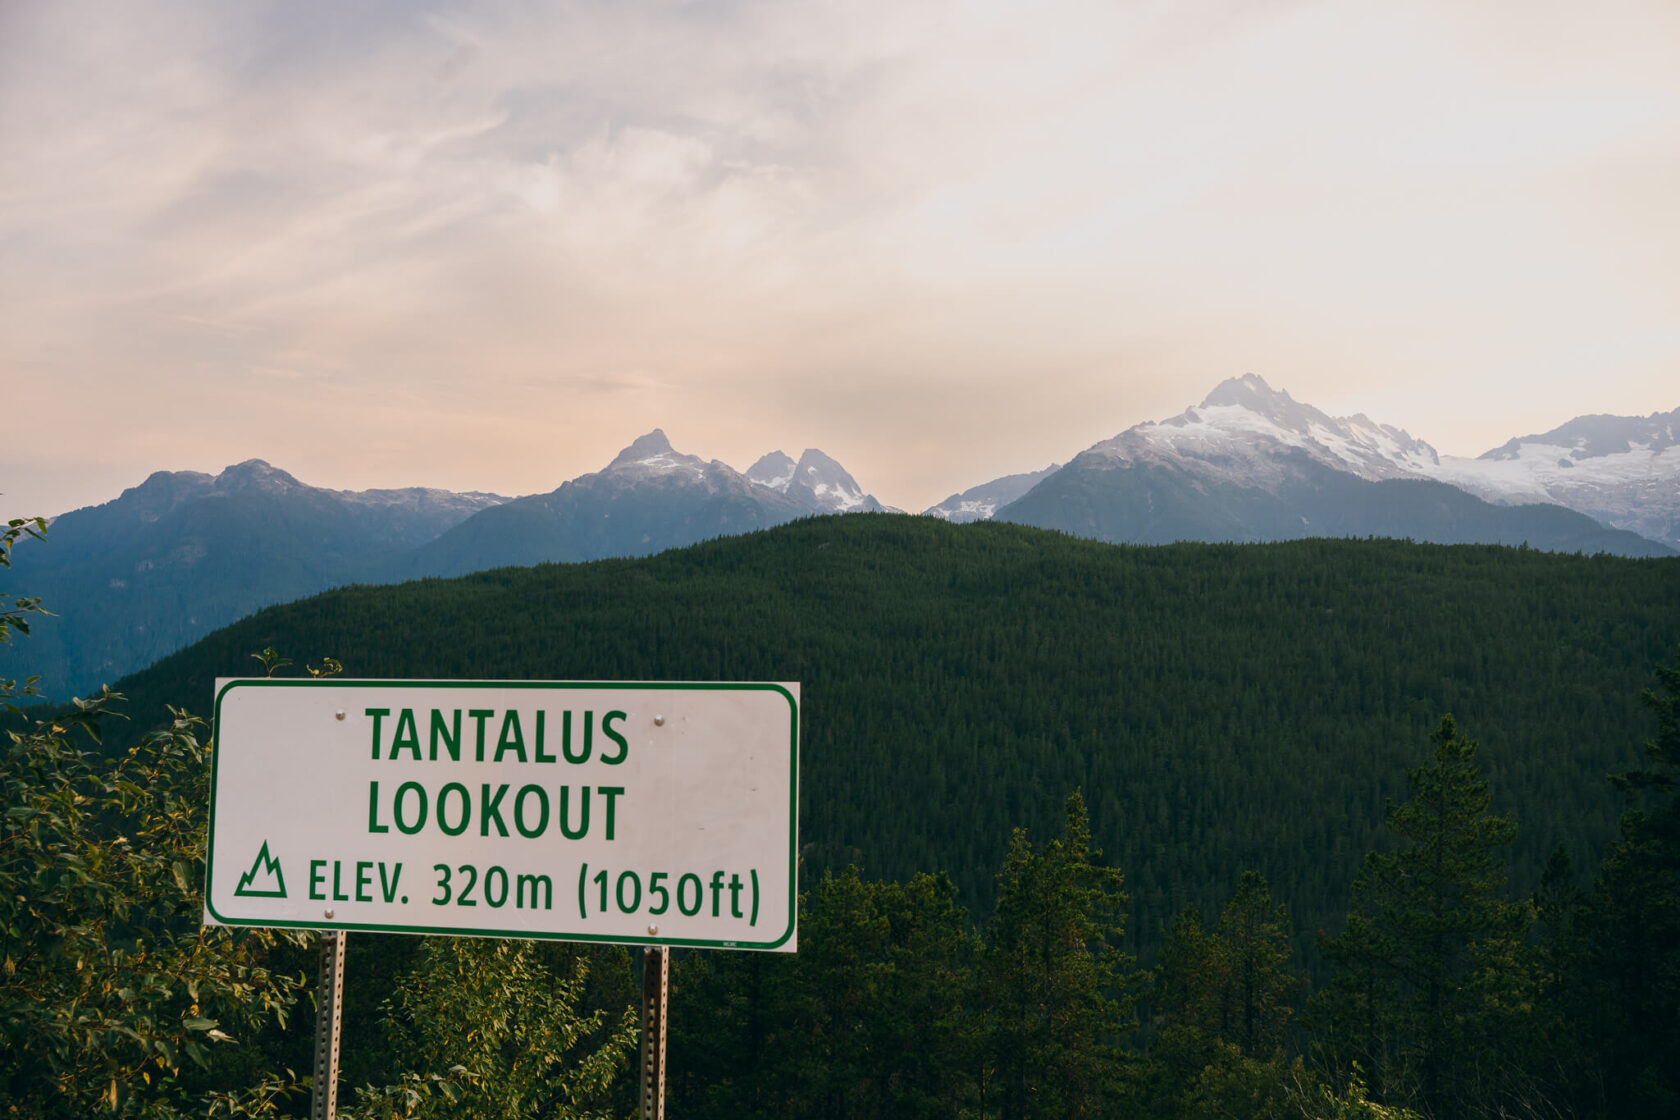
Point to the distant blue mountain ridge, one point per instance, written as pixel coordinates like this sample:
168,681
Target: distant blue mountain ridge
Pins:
184,553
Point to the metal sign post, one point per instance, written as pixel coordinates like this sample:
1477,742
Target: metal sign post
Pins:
656,986
328,1017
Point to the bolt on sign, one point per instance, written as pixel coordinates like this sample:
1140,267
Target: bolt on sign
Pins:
650,813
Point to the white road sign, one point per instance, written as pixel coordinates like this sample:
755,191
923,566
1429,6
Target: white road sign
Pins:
637,813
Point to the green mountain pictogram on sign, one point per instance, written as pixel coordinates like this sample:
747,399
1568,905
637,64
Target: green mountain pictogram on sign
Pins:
264,864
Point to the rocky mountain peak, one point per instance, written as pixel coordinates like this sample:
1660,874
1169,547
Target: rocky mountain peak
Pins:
1246,391
817,482
163,491
774,470
1246,429
650,446
1251,392
254,474
815,463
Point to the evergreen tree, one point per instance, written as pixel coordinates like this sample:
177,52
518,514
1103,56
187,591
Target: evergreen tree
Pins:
1253,944
732,1050
1429,980
880,1030
866,1020
1622,979
1052,978
1185,998
1221,1002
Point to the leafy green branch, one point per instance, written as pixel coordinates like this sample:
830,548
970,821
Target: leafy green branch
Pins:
113,996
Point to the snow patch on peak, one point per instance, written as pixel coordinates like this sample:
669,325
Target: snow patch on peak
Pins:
1249,390
774,470
981,503
650,446
1634,489
652,455
1244,426
419,498
1600,436
825,485
816,482
1621,470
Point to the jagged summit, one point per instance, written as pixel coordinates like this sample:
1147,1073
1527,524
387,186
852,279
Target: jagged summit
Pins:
643,448
816,482
1598,436
165,491
652,456
1623,470
1250,391
254,474
1252,463
774,470
1245,428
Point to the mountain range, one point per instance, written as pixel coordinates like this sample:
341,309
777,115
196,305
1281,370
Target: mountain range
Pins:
1623,471
184,552
1250,463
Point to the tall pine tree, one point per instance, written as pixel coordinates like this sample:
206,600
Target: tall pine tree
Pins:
1621,982
1429,979
1221,1004
1253,938
1052,979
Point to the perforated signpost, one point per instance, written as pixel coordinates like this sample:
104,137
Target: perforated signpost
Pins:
637,813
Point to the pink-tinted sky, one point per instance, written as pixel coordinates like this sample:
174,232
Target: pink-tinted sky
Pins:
484,246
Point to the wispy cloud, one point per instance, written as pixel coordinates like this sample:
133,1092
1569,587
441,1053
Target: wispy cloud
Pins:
937,239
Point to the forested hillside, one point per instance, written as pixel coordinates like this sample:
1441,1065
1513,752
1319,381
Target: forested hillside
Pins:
1290,885
1221,707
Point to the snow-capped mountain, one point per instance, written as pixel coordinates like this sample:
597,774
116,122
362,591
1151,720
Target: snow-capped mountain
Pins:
651,457
1252,464
816,482
980,503
1621,470
649,498
1247,464
254,535
1246,430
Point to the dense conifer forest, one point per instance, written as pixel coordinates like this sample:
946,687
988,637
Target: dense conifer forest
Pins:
1219,706
1087,830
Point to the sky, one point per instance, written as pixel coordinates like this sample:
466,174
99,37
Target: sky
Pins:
484,246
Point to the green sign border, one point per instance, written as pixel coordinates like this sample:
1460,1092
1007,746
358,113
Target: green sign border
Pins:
637,686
